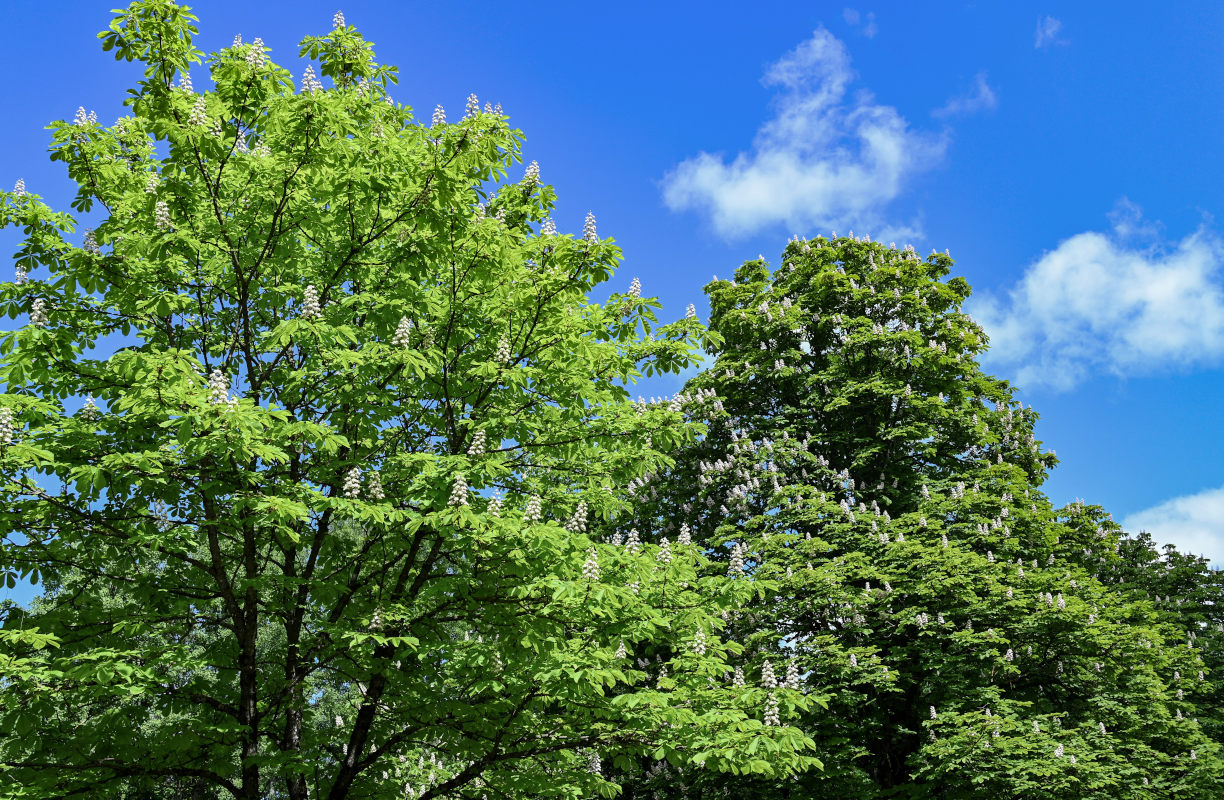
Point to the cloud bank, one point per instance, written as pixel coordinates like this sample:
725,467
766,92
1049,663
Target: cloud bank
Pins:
1195,523
1122,303
825,160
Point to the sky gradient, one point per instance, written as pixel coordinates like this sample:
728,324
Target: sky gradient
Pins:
1068,158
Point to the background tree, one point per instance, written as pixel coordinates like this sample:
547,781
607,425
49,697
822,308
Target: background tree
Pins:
318,524
861,461
1189,596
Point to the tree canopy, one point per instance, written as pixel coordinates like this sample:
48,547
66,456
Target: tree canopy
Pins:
303,441
325,458
966,633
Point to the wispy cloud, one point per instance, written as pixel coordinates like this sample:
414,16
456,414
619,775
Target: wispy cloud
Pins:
1195,523
980,97
1122,302
823,160
854,19
1048,30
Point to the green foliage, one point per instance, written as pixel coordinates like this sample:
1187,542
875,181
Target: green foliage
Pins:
327,465
1186,595
321,527
966,635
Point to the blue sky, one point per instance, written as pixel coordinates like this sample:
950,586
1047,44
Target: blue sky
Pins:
1069,157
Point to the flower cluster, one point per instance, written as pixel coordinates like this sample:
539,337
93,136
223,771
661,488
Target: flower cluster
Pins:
199,113
502,354
310,304
403,333
690,312
768,679
352,483
7,427
472,108
736,563
89,411
19,188
495,505
255,56
549,228
439,116
218,386
338,20
590,567
459,491
665,554
792,675
91,242
161,215
578,522
38,313
376,488
588,229
533,512
772,716
310,83
532,175
699,642
477,447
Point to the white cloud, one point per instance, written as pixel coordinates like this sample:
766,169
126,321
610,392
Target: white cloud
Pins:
1048,29
980,97
1128,222
1121,303
823,160
853,18
1195,523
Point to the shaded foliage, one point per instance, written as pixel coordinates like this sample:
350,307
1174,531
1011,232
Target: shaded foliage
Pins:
968,636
